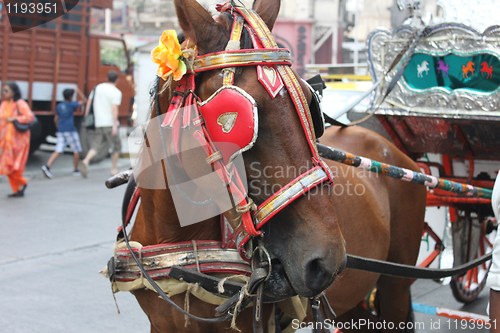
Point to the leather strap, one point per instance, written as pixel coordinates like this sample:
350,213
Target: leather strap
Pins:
158,260
207,282
263,40
295,189
233,44
162,294
400,270
239,58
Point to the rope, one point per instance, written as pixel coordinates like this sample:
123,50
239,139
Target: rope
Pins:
195,250
166,85
114,298
189,55
220,285
242,296
186,302
243,293
242,209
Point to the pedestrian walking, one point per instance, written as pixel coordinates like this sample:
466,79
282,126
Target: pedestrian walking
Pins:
105,101
66,131
14,144
493,280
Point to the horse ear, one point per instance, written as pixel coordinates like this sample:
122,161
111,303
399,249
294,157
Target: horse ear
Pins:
268,10
196,22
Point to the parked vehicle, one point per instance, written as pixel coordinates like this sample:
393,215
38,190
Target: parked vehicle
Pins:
62,54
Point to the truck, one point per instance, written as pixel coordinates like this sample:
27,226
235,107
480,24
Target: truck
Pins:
59,54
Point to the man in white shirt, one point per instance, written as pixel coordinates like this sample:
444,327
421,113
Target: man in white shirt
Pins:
106,99
494,274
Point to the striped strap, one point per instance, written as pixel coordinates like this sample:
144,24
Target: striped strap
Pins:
237,58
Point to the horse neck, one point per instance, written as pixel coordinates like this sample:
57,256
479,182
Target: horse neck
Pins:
157,222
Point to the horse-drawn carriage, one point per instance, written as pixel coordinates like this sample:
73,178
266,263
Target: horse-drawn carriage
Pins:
447,102
436,95
289,230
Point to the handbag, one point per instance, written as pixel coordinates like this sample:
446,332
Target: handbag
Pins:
22,127
89,120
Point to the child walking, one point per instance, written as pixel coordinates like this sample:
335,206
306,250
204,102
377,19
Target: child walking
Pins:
66,131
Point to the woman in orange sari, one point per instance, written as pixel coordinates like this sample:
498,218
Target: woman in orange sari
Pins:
14,145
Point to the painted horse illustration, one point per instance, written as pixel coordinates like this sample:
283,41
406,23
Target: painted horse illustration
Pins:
466,69
443,67
297,234
423,67
488,70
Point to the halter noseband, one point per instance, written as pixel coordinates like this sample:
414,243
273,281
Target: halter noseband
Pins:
269,60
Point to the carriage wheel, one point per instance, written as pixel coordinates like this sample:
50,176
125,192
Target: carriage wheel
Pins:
473,237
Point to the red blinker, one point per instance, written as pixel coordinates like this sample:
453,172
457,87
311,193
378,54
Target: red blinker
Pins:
230,116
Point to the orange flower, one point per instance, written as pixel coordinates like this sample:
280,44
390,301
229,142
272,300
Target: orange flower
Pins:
168,56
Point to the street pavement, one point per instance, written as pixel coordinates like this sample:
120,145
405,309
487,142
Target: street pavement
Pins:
58,237
54,242
428,292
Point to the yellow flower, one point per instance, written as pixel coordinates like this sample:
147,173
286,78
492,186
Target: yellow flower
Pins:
168,56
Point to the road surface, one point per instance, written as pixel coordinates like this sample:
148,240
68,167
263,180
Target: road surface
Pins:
55,241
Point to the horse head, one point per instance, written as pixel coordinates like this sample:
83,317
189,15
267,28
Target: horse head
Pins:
296,224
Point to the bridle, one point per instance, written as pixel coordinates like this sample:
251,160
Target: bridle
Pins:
270,60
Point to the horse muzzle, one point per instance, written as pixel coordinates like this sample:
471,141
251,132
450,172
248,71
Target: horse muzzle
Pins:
318,273
309,281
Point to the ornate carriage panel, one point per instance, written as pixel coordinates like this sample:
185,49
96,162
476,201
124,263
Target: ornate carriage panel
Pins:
447,99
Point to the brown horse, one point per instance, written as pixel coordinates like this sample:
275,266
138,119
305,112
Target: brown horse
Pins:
380,218
305,240
305,244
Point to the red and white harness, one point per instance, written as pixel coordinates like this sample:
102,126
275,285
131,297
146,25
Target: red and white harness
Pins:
219,122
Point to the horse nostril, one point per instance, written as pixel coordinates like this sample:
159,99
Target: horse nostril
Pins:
318,277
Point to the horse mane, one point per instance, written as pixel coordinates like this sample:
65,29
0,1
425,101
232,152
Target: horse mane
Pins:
161,91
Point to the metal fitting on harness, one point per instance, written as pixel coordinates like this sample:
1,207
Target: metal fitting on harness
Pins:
216,156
